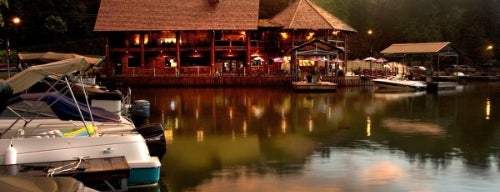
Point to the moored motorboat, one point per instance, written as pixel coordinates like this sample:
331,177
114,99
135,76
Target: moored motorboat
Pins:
39,134
399,83
85,89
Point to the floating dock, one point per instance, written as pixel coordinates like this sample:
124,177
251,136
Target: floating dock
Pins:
434,87
303,86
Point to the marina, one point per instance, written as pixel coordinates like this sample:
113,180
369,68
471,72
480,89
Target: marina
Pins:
256,95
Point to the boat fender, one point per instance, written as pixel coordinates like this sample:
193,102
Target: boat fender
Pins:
11,155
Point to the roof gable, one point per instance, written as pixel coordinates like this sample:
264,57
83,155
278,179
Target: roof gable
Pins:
150,15
316,47
303,14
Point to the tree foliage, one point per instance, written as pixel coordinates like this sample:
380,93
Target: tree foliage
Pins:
270,8
6,4
48,22
55,24
469,25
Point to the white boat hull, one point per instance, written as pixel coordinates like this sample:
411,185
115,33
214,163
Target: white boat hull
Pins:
35,145
403,85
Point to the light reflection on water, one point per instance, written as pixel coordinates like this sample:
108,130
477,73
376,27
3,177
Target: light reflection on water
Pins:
357,139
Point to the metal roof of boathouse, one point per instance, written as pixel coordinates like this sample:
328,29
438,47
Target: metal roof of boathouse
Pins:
418,48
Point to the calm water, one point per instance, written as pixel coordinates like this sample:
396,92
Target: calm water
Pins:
357,139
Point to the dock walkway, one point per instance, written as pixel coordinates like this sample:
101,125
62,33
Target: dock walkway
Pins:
104,174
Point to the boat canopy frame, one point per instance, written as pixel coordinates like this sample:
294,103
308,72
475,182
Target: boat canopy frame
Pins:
61,71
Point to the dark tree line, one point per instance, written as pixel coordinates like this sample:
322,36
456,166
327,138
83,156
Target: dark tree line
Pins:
470,25
55,25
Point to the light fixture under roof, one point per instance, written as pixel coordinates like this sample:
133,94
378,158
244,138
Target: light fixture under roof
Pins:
256,54
196,54
230,53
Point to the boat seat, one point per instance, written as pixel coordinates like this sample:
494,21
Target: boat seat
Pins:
81,132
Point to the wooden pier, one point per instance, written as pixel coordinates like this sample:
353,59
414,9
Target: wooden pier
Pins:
100,173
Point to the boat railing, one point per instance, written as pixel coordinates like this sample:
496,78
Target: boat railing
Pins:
66,132
68,124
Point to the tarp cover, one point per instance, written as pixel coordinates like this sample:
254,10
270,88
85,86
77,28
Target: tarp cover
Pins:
55,56
66,109
28,77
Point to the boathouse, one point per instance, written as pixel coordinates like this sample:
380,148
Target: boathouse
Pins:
210,37
431,54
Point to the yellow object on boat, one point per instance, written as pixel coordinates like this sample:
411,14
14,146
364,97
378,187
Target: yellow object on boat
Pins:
82,132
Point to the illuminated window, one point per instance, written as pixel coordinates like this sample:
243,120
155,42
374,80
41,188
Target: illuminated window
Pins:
167,37
234,35
136,39
284,35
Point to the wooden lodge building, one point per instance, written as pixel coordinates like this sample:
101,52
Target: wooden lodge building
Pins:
169,38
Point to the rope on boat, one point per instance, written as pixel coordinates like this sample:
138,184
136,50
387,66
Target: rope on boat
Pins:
64,168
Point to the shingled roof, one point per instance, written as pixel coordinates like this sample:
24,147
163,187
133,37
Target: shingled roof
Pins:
415,48
303,14
151,15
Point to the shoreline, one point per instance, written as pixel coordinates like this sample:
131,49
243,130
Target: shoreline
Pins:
244,81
